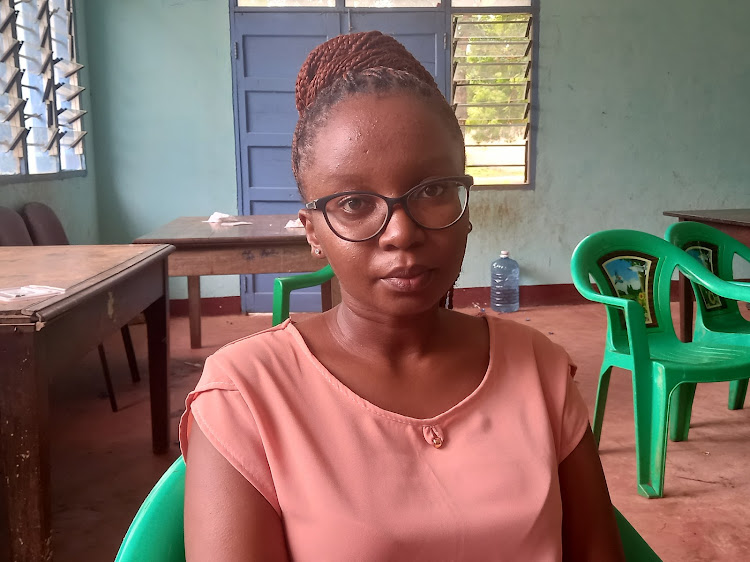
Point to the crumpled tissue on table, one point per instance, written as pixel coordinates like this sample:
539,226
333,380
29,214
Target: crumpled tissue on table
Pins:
296,223
225,220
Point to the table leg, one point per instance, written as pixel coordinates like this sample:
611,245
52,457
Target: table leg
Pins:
157,325
194,310
685,292
24,425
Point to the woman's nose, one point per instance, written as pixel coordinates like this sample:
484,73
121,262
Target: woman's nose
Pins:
401,231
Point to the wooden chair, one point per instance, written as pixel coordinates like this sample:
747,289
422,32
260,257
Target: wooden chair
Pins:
13,231
45,229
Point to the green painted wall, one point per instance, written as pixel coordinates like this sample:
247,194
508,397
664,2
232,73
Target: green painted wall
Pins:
163,109
73,199
642,109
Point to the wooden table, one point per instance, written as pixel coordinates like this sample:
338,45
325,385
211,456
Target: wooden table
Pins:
265,246
735,223
105,287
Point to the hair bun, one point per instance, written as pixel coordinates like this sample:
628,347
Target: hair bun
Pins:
350,53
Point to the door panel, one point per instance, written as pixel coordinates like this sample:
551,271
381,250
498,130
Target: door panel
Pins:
271,48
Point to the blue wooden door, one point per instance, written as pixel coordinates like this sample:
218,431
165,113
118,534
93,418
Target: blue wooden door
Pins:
270,47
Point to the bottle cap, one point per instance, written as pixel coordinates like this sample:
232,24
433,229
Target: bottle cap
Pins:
504,254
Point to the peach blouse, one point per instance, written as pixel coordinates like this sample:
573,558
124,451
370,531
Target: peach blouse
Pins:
352,481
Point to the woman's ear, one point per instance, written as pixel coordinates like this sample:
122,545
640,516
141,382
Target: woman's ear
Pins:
305,217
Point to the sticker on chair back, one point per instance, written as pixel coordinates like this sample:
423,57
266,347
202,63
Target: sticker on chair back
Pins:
708,255
631,276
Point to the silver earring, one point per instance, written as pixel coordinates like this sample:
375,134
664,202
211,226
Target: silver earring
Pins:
317,251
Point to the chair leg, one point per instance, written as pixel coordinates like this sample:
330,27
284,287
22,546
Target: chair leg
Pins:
130,353
737,393
650,400
601,400
681,407
107,379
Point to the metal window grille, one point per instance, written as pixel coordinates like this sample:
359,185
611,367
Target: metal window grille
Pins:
491,94
41,130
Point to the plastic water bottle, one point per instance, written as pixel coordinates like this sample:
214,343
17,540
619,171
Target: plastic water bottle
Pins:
504,284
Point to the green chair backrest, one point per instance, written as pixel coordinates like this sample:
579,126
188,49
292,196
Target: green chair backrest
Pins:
716,251
156,534
633,272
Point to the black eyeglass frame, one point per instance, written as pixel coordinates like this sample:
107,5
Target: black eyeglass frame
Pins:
320,204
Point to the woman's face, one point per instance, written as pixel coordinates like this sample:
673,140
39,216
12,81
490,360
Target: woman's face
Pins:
386,145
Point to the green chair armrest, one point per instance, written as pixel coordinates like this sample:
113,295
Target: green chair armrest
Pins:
283,286
735,290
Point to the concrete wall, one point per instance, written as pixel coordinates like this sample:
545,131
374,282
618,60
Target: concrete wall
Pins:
163,108
642,109
73,199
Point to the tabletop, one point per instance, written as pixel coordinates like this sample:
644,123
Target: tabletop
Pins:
77,269
739,217
194,231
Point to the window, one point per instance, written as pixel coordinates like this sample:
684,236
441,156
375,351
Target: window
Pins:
286,3
392,3
41,128
491,91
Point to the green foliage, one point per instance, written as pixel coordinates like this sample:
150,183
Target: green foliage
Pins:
484,43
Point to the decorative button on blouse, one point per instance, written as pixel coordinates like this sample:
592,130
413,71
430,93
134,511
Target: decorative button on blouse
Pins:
433,435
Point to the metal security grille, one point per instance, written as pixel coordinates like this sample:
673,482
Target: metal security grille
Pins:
40,113
491,94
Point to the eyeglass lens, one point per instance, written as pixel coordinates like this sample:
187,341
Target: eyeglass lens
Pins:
434,205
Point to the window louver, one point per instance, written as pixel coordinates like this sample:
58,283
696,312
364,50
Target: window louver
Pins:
491,94
41,130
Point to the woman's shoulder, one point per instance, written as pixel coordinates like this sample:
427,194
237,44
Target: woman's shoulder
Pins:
528,348
283,336
498,330
512,330
254,353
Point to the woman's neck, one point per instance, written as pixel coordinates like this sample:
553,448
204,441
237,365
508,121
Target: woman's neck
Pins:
367,333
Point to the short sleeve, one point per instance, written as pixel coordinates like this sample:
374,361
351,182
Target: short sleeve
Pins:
225,419
575,418
568,414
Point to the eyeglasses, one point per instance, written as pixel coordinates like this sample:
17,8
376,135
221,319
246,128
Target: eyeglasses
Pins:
433,204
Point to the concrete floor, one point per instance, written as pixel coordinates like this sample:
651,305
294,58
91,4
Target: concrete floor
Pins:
103,466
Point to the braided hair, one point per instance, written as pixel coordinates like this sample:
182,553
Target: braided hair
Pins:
367,62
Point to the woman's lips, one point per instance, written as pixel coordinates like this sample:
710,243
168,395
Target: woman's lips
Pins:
408,279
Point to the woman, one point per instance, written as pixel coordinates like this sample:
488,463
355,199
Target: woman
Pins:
389,428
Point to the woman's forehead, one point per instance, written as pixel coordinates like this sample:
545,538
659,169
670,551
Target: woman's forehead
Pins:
378,130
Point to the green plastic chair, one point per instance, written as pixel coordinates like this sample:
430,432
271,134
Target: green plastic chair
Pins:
283,286
157,531
156,534
632,271
718,320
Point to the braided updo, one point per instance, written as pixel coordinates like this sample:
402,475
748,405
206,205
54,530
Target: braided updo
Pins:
357,63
